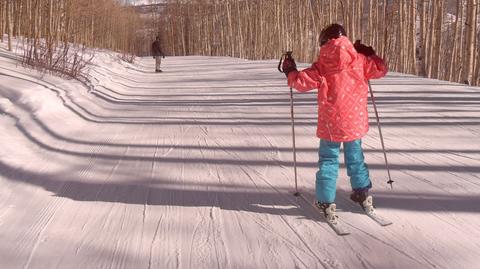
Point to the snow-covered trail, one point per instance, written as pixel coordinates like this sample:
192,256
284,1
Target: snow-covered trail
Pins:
192,168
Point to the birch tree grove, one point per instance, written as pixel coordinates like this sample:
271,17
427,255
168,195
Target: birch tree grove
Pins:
433,38
55,32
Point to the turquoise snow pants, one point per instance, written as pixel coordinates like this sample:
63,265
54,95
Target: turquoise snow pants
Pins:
357,170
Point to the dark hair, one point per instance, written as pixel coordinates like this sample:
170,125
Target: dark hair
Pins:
332,31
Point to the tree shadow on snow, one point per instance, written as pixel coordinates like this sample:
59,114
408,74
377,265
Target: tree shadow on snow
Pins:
274,201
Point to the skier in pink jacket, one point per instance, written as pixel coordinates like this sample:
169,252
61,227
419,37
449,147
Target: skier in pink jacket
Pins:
341,75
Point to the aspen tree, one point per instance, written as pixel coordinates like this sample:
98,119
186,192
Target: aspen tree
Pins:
2,19
413,38
453,55
477,64
383,48
256,29
471,36
371,18
8,18
460,48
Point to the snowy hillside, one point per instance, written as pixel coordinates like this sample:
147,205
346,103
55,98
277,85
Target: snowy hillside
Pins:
192,168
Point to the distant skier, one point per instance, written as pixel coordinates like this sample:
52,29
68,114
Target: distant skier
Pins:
340,74
157,53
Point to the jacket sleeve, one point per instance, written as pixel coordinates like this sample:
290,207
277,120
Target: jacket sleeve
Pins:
374,67
305,80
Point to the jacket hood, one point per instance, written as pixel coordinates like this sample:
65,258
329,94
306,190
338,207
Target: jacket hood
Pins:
336,55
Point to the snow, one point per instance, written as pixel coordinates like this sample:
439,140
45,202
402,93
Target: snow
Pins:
141,2
192,168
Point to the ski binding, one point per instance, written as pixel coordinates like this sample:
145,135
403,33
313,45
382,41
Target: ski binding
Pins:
369,210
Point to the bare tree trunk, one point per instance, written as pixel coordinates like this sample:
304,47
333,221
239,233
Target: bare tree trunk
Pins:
477,64
412,38
401,35
460,51
438,38
331,14
453,55
8,18
471,36
385,29
373,16
431,39
2,19
359,15
423,38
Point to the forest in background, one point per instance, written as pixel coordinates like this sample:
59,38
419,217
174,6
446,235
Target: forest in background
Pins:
431,38
55,33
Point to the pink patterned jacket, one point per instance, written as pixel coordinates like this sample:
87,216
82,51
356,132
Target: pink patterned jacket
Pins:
340,74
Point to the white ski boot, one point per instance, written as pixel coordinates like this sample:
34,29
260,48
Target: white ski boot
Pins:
329,209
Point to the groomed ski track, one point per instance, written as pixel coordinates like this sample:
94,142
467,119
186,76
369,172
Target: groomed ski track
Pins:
192,168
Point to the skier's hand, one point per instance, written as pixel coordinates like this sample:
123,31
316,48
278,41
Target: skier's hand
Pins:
289,65
163,56
153,57
362,49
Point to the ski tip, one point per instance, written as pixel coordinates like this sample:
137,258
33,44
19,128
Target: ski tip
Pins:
340,231
386,224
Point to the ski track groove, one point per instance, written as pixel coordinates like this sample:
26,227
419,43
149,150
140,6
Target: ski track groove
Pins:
262,177
215,205
312,254
212,218
364,262
145,207
99,191
91,164
211,224
44,222
222,235
114,258
48,213
154,239
152,171
389,245
197,225
283,220
219,178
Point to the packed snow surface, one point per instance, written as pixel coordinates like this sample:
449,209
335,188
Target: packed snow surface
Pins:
192,168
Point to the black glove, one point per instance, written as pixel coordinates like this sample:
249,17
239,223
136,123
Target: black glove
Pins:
288,65
163,56
362,49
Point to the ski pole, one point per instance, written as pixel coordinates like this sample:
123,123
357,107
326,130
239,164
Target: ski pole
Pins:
293,143
286,55
390,181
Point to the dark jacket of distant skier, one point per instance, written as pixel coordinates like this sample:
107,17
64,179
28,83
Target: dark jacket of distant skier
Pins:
156,48
340,74
157,54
